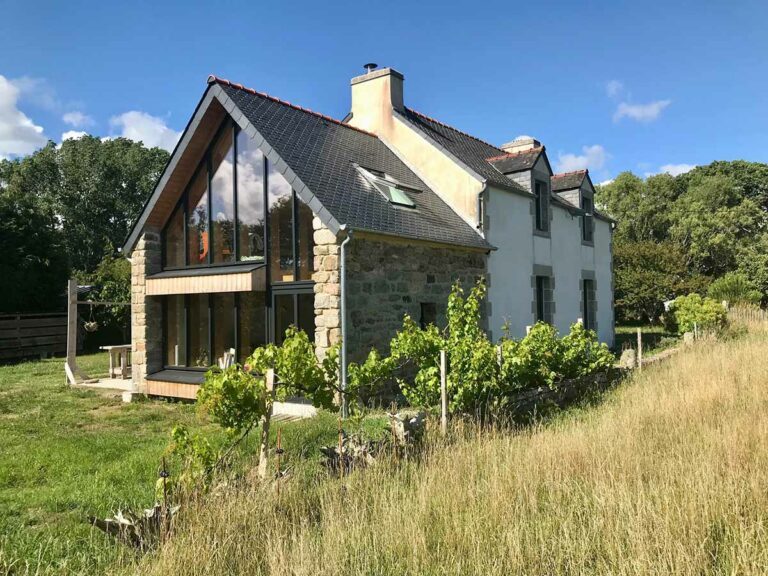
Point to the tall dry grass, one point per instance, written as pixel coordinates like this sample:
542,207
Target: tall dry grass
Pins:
668,476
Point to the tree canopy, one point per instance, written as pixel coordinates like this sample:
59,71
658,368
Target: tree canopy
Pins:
677,234
65,209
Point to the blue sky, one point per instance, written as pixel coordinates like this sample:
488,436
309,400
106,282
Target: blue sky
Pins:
611,86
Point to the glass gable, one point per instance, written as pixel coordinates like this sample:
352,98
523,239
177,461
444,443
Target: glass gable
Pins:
237,210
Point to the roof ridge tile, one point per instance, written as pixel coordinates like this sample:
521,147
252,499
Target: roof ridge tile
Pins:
451,128
537,149
564,174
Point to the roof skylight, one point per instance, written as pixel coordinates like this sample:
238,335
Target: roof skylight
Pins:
395,192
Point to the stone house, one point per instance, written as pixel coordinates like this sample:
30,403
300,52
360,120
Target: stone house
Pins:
265,207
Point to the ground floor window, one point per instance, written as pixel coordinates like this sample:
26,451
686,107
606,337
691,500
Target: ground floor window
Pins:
199,329
293,307
589,304
544,299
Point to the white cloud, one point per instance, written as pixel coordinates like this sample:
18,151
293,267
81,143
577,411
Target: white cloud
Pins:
640,112
677,169
605,182
672,169
592,157
613,88
18,134
143,127
37,92
72,135
77,119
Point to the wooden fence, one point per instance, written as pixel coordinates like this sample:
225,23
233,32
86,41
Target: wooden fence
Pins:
32,335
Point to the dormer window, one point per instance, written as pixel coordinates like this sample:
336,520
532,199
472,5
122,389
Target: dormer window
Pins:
395,192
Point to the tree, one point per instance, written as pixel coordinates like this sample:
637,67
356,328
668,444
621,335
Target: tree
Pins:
80,199
641,207
104,185
33,267
647,274
734,288
710,223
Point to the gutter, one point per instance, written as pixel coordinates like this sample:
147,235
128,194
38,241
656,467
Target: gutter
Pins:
343,312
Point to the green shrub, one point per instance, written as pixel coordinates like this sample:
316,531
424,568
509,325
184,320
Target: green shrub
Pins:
687,311
480,374
543,359
735,289
582,353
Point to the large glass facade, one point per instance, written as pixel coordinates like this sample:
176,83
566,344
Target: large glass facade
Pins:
201,328
280,216
224,321
223,198
199,331
250,200
173,240
175,332
305,241
238,210
197,220
252,323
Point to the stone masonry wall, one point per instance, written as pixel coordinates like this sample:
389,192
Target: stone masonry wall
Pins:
327,288
146,314
387,279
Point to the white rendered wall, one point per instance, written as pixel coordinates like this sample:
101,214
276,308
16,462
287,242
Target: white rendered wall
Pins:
604,276
510,229
566,267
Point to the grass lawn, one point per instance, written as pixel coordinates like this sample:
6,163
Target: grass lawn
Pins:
70,453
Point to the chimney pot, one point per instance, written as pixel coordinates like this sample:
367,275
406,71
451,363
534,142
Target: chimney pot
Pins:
370,67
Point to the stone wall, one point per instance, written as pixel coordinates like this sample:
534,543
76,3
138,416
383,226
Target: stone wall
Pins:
146,312
388,279
327,288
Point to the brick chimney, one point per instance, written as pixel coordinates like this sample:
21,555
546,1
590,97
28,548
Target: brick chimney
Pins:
520,145
375,95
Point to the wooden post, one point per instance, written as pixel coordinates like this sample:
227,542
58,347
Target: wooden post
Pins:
278,452
70,366
640,348
269,380
443,393
341,449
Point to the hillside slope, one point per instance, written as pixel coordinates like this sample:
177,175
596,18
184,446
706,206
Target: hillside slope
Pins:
668,476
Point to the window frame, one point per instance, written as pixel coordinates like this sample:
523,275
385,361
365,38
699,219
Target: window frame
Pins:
587,220
541,207
589,303
543,285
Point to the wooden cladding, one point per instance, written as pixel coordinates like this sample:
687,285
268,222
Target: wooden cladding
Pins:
171,389
249,281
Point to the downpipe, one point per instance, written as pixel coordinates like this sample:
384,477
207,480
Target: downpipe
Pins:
343,312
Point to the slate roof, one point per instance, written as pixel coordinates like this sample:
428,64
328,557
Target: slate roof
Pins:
568,180
471,151
516,161
323,152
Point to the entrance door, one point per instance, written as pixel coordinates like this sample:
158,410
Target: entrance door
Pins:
292,305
